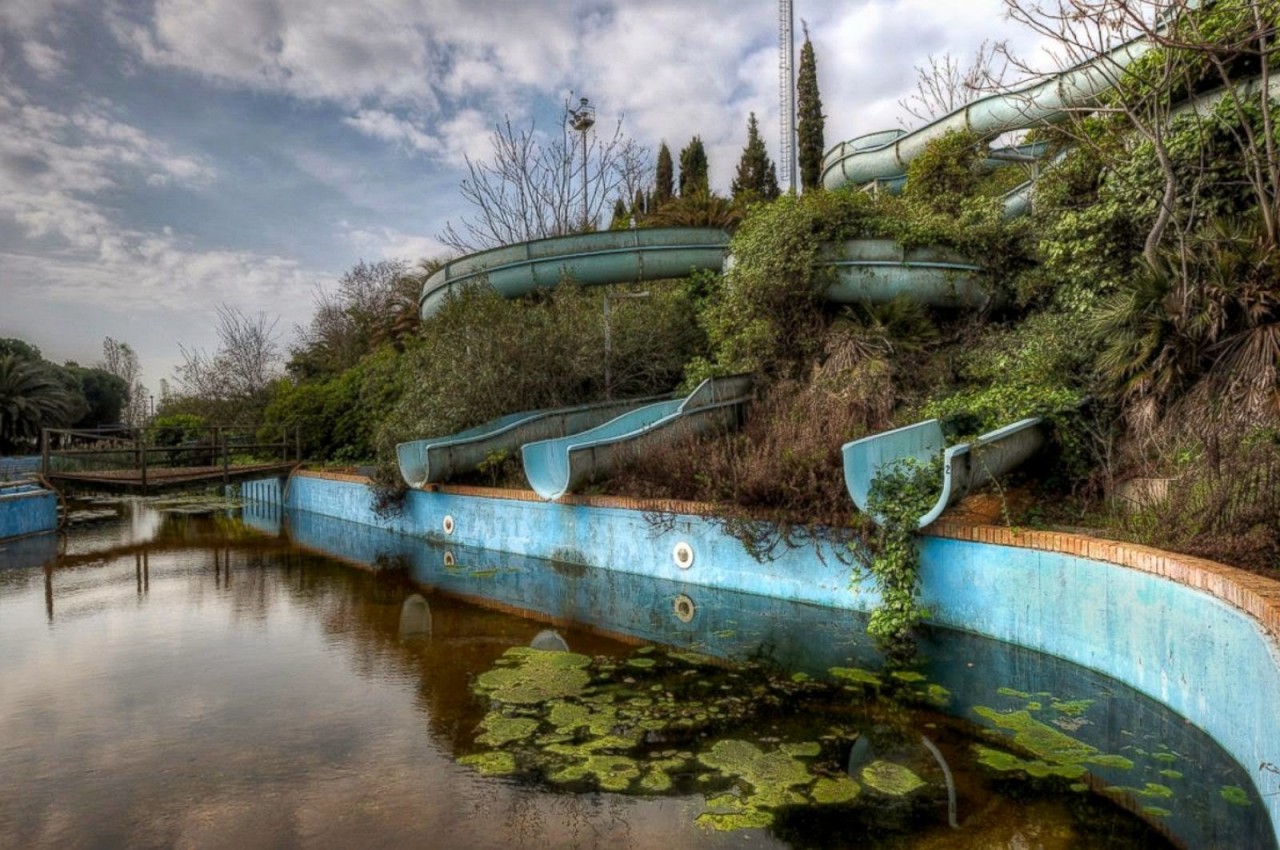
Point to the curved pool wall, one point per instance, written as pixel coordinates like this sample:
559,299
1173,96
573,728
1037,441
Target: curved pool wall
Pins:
977,673
25,509
1187,647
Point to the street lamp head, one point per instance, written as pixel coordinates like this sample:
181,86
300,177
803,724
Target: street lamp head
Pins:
584,117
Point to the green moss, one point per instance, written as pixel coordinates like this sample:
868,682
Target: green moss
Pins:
1156,811
750,818
1171,774
494,763
807,749
1118,762
1010,692
907,676
1072,708
1167,758
1235,795
890,779
829,792
641,663
1078,787
1154,789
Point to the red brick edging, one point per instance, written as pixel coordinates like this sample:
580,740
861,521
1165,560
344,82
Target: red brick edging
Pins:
1258,596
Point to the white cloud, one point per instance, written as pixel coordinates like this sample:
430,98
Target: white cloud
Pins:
48,62
389,127
388,243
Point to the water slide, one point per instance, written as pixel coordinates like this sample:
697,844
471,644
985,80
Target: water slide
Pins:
965,466
437,459
885,155
555,467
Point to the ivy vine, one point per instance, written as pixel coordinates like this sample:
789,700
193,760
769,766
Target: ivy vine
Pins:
901,492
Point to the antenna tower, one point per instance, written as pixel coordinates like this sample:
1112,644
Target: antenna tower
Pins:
787,93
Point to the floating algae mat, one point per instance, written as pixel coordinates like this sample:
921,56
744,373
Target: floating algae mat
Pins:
797,754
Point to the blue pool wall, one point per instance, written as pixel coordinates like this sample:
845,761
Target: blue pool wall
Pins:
1209,661
27,509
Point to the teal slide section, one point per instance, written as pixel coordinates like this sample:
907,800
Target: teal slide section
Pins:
437,459
556,467
964,466
886,154
591,259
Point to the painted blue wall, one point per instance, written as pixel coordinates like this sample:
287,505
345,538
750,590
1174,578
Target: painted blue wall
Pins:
1210,662
27,509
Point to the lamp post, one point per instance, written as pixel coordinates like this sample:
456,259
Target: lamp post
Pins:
581,120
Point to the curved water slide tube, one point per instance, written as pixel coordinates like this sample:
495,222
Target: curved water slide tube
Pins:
885,155
437,459
964,466
555,467
591,259
867,270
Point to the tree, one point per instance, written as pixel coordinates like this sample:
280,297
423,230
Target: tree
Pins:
943,86
233,382
809,129
757,179
533,186
665,177
694,178
21,349
1196,47
368,306
31,398
119,359
106,396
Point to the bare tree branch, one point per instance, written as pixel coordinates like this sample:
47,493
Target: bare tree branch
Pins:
532,187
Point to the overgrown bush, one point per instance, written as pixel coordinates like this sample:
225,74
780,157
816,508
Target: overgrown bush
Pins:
481,356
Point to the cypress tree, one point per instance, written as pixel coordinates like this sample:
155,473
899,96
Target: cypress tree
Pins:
757,179
810,120
666,177
694,169
621,219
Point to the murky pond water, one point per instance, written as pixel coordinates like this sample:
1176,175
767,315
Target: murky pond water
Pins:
177,679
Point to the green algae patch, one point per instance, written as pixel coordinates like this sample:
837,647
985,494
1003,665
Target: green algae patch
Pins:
805,749
1156,811
910,676
655,781
610,772
1071,708
728,813
499,729
641,663
1007,762
1171,774
831,792
1039,738
493,763
1010,692
535,676
892,780
770,775
1235,795
1113,761
1166,758
855,676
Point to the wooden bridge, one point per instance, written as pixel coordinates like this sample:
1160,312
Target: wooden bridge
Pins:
152,460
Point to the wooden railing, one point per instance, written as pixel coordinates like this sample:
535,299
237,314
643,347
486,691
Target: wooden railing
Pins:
167,447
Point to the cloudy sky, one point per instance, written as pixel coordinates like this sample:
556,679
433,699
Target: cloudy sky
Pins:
160,157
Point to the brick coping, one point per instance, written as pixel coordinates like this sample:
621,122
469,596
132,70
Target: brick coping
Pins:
1255,595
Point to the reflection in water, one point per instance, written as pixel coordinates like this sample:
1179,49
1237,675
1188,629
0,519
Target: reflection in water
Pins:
205,685
415,618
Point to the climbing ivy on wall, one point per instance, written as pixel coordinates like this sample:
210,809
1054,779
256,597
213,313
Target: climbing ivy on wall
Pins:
900,494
